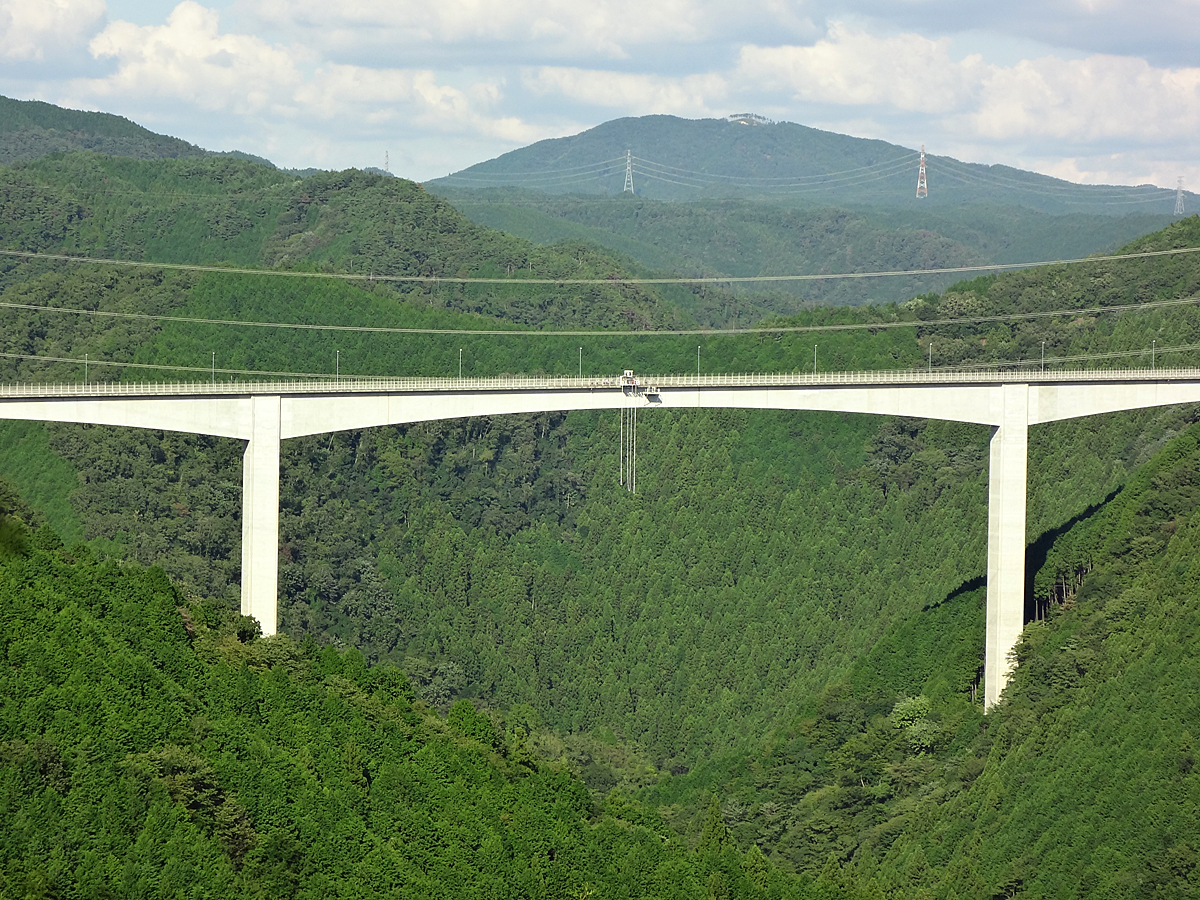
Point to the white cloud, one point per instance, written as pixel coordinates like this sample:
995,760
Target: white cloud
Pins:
1071,101
907,71
1090,99
409,98
188,65
189,60
634,94
1164,32
35,30
551,28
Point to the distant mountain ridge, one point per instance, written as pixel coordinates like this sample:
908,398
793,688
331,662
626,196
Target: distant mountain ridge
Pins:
685,159
30,129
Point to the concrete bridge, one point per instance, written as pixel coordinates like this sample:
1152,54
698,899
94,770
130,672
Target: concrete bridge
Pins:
264,413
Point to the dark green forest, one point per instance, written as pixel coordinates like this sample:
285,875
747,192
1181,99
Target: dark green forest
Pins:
502,674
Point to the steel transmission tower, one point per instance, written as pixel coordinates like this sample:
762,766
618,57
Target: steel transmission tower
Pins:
922,187
628,189
1179,197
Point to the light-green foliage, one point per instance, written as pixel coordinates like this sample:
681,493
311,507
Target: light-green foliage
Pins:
156,746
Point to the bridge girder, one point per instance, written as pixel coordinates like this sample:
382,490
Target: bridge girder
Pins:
264,417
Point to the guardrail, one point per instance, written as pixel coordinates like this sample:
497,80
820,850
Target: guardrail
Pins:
500,383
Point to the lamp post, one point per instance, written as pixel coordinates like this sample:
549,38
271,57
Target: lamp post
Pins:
1043,357
931,357
214,368
85,362
1152,348
337,365
814,359
697,360
460,362
580,362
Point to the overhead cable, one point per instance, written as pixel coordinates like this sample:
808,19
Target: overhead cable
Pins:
614,280
971,172
518,332
1027,362
788,179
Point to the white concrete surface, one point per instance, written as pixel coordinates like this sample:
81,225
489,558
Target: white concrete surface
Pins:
260,515
1006,538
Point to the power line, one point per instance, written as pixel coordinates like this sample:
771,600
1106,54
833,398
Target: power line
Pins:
790,179
967,173
516,332
517,282
971,172
534,174
797,188
816,183
92,361
990,364
1157,198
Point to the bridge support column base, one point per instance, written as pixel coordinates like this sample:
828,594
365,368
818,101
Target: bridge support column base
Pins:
1006,539
260,515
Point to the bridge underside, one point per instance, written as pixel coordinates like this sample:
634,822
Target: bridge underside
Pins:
264,419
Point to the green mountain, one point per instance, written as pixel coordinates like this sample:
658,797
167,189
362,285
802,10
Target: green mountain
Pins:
687,159
787,233
30,129
752,198
236,212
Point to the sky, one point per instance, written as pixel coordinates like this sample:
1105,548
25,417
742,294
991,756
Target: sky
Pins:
1096,91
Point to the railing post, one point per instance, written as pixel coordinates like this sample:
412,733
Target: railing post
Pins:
1007,486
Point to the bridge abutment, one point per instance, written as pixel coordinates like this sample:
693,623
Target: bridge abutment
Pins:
260,515
1007,487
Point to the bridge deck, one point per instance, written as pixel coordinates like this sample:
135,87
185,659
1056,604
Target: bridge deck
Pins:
348,384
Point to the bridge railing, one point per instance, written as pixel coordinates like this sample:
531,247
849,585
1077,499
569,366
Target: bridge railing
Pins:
572,383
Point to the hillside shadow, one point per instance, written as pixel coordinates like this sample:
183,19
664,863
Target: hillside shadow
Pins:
1037,552
966,587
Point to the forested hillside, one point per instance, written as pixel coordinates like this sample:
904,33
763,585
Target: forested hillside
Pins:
1083,783
235,212
153,746
30,128
778,237
263,768
750,598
